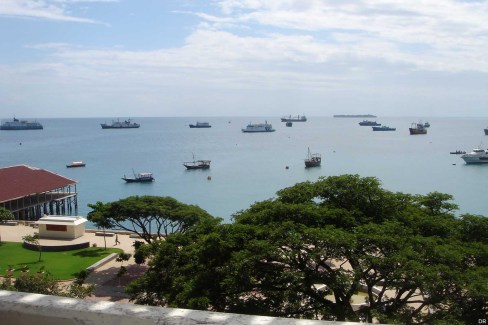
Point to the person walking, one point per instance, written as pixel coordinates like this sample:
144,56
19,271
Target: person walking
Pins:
117,239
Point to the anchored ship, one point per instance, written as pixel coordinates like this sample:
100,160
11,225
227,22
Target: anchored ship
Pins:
17,124
200,125
261,127
417,128
290,118
477,156
127,124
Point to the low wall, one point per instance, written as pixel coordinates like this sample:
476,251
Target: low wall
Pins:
28,308
58,248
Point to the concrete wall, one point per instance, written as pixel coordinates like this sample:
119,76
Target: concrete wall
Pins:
27,308
71,232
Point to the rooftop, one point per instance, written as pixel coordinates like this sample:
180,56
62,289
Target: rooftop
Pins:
20,181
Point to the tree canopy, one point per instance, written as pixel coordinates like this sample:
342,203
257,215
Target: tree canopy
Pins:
148,216
310,250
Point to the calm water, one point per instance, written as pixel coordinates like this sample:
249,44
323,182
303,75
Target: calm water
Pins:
251,167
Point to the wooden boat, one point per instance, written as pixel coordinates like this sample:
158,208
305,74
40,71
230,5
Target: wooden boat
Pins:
75,164
197,164
139,178
313,159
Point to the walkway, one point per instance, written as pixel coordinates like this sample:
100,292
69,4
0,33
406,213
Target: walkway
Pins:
108,287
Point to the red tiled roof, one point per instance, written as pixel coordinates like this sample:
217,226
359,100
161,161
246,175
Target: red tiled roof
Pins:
20,181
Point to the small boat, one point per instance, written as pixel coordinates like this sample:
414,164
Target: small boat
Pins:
127,124
197,164
16,124
75,164
426,125
369,123
290,118
477,156
139,178
383,128
313,159
199,125
261,127
417,128
289,124
457,152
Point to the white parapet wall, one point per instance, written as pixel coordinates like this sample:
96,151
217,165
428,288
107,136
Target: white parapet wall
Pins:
28,308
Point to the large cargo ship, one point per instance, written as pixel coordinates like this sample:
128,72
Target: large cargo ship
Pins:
200,125
21,125
290,118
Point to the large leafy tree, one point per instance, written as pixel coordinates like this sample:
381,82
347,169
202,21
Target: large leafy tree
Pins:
310,250
148,216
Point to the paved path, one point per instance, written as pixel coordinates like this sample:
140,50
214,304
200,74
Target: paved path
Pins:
107,285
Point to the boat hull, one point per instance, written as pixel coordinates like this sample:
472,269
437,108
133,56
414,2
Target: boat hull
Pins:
19,128
197,167
284,119
417,131
192,126
75,165
256,131
309,164
475,160
379,128
105,126
137,180
369,123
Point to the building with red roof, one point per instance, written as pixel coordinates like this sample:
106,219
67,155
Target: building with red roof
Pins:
31,192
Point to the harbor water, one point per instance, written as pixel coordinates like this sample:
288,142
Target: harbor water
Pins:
250,167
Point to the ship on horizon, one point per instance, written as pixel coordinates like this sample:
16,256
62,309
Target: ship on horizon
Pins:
17,124
127,124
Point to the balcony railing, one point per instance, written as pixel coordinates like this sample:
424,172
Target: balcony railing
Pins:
28,308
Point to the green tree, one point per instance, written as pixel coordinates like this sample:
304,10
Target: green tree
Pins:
147,215
34,239
309,251
5,215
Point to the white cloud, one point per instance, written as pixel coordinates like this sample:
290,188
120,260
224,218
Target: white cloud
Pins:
442,34
43,9
255,51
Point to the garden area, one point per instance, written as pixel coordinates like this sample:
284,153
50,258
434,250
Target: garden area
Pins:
61,265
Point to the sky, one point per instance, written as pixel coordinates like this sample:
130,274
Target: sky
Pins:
138,58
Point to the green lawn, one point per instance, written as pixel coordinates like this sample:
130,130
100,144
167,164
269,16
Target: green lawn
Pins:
62,265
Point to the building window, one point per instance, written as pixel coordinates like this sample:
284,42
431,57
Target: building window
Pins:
56,227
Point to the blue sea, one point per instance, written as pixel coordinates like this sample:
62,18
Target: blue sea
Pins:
245,167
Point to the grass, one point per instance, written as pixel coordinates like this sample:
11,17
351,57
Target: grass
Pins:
62,265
